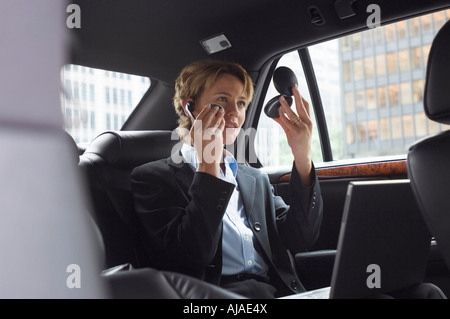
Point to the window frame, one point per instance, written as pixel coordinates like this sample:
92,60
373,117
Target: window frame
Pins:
322,128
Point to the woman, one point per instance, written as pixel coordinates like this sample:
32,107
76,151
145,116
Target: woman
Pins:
207,216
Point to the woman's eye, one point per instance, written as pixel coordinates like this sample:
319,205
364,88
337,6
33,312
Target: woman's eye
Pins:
242,104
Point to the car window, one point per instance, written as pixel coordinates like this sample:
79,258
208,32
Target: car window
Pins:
371,85
95,100
271,145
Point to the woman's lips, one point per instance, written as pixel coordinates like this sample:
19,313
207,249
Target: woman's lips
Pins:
231,125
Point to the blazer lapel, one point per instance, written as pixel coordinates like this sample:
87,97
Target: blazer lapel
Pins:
246,184
254,209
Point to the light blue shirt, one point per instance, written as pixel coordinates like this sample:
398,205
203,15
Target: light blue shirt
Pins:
238,252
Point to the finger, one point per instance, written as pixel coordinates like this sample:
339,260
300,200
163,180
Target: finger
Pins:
301,105
279,119
300,98
215,132
288,112
219,118
284,122
200,124
221,126
207,116
204,112
287,122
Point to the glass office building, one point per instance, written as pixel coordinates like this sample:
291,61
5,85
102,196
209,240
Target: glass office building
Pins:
382,75
95,100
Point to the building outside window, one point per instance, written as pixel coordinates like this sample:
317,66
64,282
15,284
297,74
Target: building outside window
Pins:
400,57
95,100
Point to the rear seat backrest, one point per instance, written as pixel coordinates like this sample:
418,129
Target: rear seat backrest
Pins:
108,162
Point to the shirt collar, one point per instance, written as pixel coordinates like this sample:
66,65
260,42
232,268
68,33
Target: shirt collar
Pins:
190,157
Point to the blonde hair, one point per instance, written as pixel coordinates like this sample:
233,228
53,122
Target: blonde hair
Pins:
198,76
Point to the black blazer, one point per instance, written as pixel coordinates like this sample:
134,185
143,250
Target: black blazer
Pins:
182,214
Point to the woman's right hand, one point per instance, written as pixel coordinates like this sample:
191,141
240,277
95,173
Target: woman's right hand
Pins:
207,139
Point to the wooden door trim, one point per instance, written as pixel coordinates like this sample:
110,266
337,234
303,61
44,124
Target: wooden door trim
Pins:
393,169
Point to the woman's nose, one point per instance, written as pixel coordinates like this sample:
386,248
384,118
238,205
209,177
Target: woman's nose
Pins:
231,108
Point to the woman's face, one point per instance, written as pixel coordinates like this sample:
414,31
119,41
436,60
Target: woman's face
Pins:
226,91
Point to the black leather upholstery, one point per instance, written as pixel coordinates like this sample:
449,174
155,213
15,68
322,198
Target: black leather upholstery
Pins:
428,159
149,283
125,149
437,89
107,163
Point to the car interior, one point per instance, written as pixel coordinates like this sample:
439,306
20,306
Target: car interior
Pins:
391,130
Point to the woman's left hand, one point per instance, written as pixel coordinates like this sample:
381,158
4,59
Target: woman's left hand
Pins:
298,129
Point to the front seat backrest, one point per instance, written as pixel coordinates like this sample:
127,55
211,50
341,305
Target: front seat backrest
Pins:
108,162
428,160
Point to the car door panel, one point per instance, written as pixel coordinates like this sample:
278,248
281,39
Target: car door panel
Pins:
333,182
315,267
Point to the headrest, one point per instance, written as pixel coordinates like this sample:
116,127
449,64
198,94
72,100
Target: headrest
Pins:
128,149
437,86
74,153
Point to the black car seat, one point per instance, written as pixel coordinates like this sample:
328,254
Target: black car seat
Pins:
107,164
149,283
428,159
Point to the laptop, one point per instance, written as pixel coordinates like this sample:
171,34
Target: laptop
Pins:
383,243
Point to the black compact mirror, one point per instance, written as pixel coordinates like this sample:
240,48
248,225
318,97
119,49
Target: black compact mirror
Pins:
283,79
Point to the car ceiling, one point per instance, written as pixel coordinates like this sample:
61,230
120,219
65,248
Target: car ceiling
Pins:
156,38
